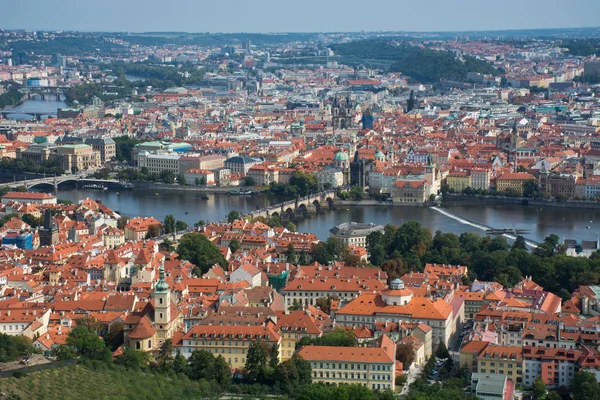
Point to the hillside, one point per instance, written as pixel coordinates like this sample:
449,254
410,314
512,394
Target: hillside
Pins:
78,382
421,64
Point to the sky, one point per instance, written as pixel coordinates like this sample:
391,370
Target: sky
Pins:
296,16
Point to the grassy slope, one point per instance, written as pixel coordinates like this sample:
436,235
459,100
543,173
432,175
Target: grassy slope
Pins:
79,382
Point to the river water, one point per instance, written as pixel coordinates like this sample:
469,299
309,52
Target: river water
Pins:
35,105
189,207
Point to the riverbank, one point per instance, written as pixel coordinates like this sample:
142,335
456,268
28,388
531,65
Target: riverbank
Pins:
464,200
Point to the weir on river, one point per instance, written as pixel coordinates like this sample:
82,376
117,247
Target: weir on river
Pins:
478,225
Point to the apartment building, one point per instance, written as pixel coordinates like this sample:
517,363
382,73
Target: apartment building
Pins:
230,341
372,367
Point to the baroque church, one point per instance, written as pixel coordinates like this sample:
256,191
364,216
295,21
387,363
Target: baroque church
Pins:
157,321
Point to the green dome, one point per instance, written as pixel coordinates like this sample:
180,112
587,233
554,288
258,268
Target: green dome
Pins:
379,155
341,156
161,285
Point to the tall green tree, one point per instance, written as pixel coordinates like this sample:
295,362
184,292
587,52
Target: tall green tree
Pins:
201,365
169,223
87,344
180,225
232,216
200,251
256,361
290,254
222,372
234,245
274,356
584,386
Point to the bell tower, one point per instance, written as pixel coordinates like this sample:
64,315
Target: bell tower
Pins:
162,306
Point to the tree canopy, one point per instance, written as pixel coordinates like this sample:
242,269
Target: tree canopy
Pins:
200,251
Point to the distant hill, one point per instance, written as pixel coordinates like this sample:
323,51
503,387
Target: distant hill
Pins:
421,64
582,47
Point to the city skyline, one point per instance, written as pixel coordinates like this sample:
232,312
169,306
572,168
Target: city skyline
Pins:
310,16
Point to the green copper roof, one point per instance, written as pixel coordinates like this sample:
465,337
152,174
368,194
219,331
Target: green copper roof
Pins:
341,156
161,285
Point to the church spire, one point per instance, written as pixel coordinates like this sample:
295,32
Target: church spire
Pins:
161,285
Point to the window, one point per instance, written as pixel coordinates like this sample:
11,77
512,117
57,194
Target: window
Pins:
137,345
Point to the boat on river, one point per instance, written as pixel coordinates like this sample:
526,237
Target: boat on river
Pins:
240,192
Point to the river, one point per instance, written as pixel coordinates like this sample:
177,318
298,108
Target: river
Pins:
35,105
189,207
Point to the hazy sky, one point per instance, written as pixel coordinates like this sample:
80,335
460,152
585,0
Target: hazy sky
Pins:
295,16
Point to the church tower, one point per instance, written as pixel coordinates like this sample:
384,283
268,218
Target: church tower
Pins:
49,232
162,306
410,104
431,175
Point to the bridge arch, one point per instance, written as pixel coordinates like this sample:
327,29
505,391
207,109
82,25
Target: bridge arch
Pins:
41,184
329,202
289,212
302,210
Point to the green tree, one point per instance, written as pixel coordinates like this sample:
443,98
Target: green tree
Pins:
442,351
584,386
291,227
234,245
303,259
304,183
256,361
153,231
201,365
133,359
274,356
122,222
12,347
405,354
249,181
169,223
304,369
519,243
324,303
166,176
165,357
222,372
180,363
290,254
233,216
115,335
30,220
90,322
295,305
200,223
87,344
197,181
166,245
180,226
538,389
181,179
64,352
356,193
200,251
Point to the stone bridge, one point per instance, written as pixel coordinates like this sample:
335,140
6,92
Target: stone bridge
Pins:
57,180
300,207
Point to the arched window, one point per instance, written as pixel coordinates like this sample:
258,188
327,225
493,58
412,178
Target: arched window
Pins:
149,344
137,345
